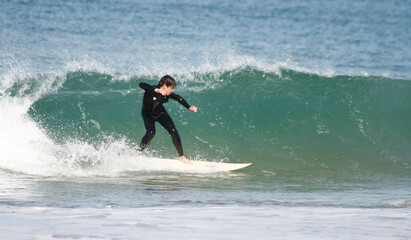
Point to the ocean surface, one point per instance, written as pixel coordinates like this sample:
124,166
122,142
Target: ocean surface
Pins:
316,94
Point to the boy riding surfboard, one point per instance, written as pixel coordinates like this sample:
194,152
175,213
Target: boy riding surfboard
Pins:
153,111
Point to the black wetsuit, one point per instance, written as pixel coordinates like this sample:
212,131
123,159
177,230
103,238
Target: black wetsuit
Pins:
153,111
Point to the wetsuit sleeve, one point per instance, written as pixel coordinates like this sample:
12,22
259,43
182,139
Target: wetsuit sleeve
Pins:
179,99
147,86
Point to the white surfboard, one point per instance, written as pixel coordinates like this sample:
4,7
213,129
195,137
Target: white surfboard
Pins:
199,166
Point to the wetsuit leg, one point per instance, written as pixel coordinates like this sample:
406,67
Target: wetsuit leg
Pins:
149,123
166,121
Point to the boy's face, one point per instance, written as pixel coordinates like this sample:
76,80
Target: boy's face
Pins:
167,90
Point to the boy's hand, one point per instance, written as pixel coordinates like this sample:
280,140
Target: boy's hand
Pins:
193,108
161,91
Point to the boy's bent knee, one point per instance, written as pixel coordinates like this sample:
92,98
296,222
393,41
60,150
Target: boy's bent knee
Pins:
150,133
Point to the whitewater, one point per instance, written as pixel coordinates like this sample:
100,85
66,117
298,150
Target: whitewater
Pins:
315,95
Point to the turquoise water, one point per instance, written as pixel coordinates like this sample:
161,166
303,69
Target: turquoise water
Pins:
287,120
316,94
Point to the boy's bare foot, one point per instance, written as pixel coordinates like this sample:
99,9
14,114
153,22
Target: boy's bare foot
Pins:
185,160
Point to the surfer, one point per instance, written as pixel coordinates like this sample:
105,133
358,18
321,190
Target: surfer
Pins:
153,111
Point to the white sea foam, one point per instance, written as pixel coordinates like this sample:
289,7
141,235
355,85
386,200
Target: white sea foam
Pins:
214,63
209,222
23,146
26,148
87,64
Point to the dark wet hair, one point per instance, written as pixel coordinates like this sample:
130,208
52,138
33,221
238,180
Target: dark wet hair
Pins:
168,81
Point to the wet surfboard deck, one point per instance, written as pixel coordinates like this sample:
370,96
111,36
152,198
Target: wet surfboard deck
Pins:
200,165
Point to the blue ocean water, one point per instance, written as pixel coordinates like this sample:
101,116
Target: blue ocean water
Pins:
316,94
